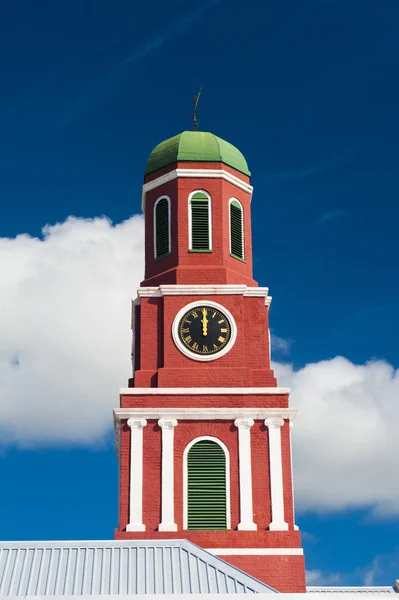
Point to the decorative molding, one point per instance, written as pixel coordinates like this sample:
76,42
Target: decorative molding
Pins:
274,422
205,391
255,551
200,357
245,474
208,290
204,414
185,478
167,477
274,425
169,424
195,173
136,474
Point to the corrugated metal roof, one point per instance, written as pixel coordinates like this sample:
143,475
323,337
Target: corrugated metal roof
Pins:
351,589
117,568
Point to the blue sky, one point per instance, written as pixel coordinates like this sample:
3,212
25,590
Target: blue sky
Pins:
309,93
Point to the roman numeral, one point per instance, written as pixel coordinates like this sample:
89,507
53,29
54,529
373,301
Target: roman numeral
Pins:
187,321
221,321
194,346
195,315
214,314
215,347
186,330
205,348
188,339
224,330
221,339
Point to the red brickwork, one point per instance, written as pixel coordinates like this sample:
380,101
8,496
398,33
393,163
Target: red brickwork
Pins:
159,364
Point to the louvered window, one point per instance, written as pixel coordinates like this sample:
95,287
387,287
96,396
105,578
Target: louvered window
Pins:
236,230
162,227
206,478
200,222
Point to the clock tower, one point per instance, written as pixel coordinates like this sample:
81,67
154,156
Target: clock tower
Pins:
203,429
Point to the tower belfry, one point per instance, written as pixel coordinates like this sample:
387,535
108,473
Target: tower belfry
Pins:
203,428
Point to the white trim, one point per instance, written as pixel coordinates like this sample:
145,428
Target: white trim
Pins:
199,290
200,357
205,391
195,173
167,478
255,551
190,232
276,474
242,227
154,226
185,482
245,474
296,528
136,475
206,414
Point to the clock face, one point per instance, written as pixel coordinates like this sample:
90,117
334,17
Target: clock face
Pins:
204,330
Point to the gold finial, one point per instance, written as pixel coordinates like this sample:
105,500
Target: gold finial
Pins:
195,119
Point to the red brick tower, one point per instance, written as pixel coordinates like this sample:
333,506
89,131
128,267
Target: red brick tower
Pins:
203,430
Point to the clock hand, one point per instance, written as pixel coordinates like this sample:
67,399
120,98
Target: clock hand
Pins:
204,322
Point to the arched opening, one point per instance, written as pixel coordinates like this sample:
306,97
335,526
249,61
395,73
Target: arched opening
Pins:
207,501
200,222
162,246
236,229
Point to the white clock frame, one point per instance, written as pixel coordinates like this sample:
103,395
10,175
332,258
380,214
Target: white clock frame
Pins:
203,357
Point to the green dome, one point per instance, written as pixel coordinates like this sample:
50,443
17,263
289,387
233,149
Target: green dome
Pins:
196,146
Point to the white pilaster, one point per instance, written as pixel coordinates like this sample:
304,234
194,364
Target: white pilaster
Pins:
245,473
274,425
167,485
292,480
136,475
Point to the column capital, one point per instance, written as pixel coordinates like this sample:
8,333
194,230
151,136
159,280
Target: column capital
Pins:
136,423
244,423
167,423
274,422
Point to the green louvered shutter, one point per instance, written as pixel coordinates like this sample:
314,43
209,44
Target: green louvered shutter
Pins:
236,230
200,238
206,466
162,242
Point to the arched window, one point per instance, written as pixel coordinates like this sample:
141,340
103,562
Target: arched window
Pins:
206,478
236,229
200,222
162,227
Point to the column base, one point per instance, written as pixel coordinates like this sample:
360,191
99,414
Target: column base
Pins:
247,527
167,527
274,526
135,527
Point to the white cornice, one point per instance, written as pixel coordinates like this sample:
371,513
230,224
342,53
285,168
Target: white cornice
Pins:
205,391
208,173
204,290
204,414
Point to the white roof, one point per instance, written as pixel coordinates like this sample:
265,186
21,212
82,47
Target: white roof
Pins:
115,568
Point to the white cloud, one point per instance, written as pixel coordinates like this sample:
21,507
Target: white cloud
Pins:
345,439
280,345
65,351
316,577
65,328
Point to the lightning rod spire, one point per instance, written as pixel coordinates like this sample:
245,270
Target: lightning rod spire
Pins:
195,117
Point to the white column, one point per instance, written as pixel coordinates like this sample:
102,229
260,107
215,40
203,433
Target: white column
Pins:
167,485
136,475
292,479
274,425
245,473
